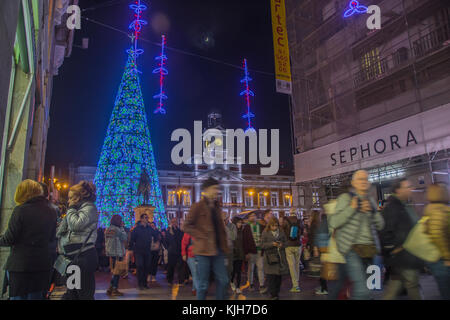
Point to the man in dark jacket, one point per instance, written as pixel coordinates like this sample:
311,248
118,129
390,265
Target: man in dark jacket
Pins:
140,245
175,261
399,219
205,224
292,230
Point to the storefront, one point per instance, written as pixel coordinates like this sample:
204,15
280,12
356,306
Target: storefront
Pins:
417,147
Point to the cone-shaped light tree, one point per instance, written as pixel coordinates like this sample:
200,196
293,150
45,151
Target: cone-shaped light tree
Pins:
127,150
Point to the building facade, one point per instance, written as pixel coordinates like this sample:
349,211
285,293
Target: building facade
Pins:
34,41
369,99
242,189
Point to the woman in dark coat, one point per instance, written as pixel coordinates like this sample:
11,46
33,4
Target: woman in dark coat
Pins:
273,242
31,231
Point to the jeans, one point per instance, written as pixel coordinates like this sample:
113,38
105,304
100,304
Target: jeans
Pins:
142,267
403,278
355,270
192,263
115,278
258,260
293,259
217,264
442,275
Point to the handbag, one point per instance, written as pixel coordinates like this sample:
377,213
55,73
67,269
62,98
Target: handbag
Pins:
329,271
272,257
332,255
155,246
419,244
62,262
365,251
120,267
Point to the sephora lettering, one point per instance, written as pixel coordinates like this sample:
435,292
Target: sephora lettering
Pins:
380,146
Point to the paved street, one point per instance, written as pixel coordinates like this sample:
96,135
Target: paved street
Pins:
161,291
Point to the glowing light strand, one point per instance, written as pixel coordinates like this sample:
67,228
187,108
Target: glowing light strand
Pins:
355,7
247,93
162,70
136,26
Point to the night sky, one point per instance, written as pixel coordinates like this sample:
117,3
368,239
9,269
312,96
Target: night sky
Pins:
86,87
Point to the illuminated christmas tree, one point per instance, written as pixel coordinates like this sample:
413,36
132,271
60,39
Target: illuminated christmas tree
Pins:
127,150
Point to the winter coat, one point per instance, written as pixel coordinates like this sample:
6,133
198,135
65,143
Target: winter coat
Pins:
173,242
287,224
76,226
141,239
238,245
248,240
199,225
31,231
267,239
398,224
115,238
186,246
438,227
349,224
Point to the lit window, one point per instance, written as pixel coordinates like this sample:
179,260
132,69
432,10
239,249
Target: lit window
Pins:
274,199
186,198
171,198
287,199
315,198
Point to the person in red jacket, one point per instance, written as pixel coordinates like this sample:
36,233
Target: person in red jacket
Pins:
188,256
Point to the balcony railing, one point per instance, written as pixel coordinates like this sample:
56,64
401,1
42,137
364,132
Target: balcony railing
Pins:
432,41
376,70
427,44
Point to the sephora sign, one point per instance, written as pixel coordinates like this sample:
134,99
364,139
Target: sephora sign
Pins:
416,135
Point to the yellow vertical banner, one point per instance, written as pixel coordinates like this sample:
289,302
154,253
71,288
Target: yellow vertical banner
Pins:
281,47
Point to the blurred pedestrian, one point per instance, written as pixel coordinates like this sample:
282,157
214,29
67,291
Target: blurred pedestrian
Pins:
400,219
320,246
231,232
238,256
273,241
205,224
438,228
355,223
78,234
115,239
189,258
30,234
292,229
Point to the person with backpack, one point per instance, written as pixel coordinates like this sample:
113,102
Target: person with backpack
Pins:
292,229
189,258
400,218
355,224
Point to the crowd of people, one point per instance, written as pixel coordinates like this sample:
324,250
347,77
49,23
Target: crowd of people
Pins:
244,252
